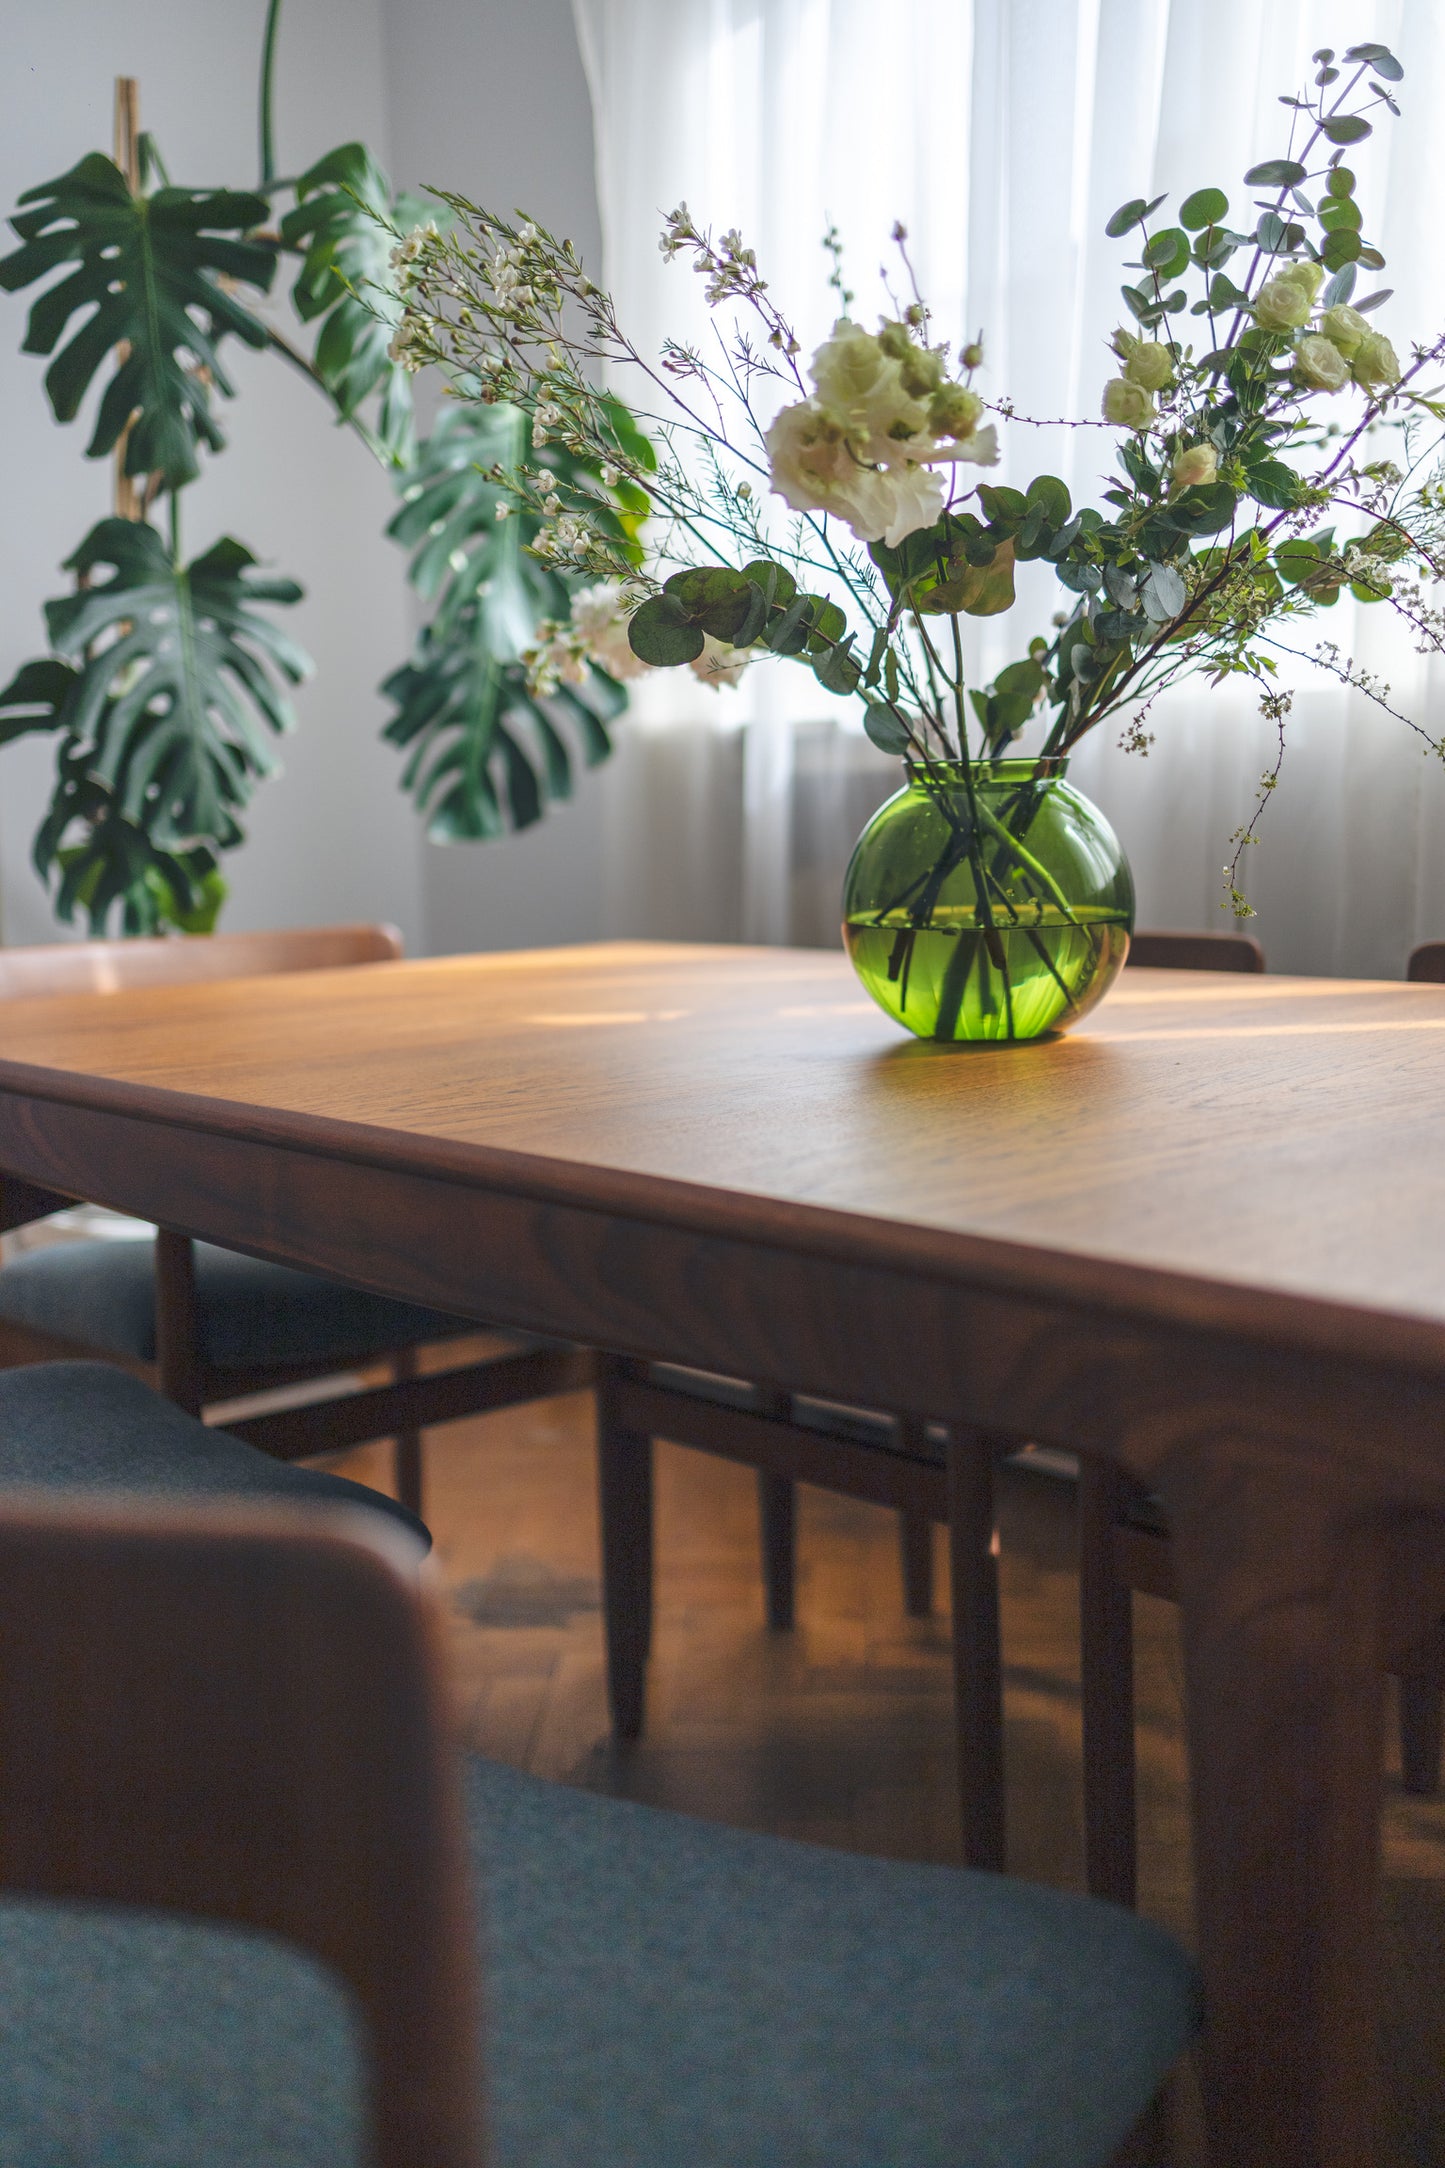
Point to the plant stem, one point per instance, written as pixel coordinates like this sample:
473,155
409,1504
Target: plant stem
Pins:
268,71
173,499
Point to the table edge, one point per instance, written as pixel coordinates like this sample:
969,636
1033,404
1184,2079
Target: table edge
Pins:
1147,1294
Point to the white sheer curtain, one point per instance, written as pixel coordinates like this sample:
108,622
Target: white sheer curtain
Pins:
1003,133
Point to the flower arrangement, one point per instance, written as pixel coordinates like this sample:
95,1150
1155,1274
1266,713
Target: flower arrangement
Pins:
1253,486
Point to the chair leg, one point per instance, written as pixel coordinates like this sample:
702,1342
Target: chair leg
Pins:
624,1470
178,1352
1422,1708
777,1517
406,1446
777,1523
1106,1649
977,1656
915,1546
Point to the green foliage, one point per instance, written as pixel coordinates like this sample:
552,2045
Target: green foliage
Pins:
483,752
148,271
163,693
344,222
758,606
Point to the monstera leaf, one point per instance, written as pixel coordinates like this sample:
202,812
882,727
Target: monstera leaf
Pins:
342,222
148,273
483,751
164,691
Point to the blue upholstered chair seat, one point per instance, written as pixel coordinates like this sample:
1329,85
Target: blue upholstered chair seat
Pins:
661,1993
102,1295
91,1427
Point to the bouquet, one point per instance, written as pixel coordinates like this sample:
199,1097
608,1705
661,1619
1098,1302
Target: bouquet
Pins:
1273,452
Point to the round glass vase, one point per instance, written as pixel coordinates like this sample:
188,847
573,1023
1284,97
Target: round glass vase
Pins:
987,902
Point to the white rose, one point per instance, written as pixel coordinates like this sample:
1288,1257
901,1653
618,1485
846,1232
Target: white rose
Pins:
1150,365
1375,361
1320,362
1196,465
1284,302
1126,405
1344,327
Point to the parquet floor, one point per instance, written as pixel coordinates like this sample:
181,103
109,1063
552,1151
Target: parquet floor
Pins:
840,1731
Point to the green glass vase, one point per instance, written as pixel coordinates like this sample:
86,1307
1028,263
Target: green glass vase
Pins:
988,902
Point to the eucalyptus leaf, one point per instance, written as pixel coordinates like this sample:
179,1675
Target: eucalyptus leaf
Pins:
1127,215
887,729
1276,173
1346,128
1206,207
1164,593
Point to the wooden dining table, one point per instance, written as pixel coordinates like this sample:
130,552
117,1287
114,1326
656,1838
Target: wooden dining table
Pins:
1202,1236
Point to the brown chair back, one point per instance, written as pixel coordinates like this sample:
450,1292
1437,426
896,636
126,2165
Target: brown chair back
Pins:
112,967
1427,963
242,1715
1196,952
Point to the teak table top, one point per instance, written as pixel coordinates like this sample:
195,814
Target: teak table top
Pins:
1202,1237
1270,1144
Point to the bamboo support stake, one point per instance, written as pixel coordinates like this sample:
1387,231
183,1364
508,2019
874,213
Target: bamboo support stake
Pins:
127,157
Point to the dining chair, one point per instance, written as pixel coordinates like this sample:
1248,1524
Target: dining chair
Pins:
241,1865
211,1325
1195,952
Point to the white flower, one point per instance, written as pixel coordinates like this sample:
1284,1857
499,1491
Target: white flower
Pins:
861,387
1344,327
719,664
554,659
1126,405
814,469
1320,362
410,334
1194,466
1150,365
1284,302
1375,361
599,621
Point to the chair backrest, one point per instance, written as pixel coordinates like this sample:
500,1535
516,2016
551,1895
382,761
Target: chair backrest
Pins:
1427,963
1196,952
242,1715
112,967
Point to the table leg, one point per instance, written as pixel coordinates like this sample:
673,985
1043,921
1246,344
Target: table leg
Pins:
977,1659
1281,1581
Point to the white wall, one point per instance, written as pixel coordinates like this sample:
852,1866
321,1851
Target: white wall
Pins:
487,97
332,838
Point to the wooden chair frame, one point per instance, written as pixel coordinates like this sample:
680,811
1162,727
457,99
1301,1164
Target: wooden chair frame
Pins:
316,1798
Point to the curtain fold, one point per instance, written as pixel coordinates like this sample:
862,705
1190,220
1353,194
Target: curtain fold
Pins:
1003,133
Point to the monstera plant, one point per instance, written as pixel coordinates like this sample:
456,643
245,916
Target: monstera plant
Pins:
166,684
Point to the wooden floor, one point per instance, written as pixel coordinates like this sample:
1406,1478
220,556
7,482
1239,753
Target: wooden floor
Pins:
840,1731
